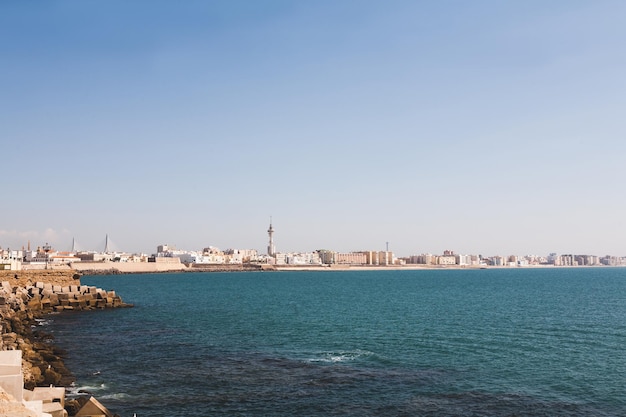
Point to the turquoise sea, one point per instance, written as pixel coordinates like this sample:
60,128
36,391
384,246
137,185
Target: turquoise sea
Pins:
496,342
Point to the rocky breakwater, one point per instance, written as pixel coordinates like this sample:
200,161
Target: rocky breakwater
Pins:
45,297
21,309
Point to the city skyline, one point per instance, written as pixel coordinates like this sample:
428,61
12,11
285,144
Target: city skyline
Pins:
108,246
482,127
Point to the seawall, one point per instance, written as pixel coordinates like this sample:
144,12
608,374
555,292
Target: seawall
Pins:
111,268
25,278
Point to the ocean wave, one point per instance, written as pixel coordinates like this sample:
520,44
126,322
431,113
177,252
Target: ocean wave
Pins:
77,390
115,396
339,356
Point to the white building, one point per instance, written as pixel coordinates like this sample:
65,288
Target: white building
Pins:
241,255
11,259
307,258
446,260
462,260
301,258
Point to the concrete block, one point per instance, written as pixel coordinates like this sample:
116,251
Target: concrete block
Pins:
10,369
11,378
54,409
93,408
52,394
35,406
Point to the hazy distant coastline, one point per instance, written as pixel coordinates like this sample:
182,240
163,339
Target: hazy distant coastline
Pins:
113,268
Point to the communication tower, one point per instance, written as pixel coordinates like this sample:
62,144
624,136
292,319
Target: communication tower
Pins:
271,250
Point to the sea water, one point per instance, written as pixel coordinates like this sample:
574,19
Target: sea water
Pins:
497,342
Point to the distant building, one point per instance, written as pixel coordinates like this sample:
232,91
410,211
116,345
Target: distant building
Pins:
497,261
425,259
353,258
271,249
385,258
446,260
281,258
164,259
300,258
11,259
165,248
63,257
378,258
306,258
94,256
462,260
327,257
241,255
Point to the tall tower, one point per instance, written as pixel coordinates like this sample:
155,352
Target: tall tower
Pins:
271,250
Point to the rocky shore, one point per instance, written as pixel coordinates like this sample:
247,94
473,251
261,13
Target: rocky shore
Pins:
26,297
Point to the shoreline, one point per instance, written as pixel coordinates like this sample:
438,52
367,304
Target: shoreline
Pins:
26,299
112,268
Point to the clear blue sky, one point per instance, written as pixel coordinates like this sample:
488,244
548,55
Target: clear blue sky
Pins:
485,127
